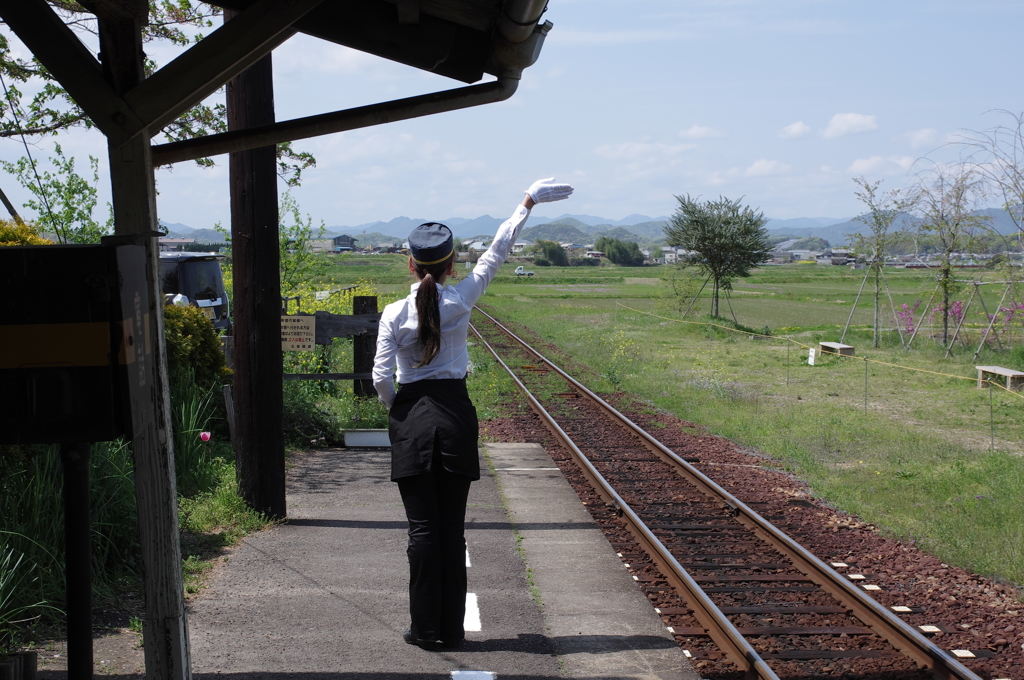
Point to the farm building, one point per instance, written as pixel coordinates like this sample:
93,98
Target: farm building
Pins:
344,243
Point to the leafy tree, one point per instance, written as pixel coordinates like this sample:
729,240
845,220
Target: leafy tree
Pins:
884,208
625,253
51,110
729,239
63,200
945,200
554,253
298,261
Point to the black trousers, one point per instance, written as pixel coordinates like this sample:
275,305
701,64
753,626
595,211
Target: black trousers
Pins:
435,504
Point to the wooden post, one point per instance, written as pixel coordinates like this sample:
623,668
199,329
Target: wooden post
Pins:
77,559
364,346
259,363
165,626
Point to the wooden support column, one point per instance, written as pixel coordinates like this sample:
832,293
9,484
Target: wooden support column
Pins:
364,346
255,244
165,627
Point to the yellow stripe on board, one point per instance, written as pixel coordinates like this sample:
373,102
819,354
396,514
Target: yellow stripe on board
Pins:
55,344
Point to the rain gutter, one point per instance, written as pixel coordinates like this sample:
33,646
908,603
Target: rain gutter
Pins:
507,62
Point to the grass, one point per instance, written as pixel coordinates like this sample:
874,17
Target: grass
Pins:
210,522
916,462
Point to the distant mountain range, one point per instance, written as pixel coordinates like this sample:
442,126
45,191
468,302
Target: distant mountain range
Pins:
582,229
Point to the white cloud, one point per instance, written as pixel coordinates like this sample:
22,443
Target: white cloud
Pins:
700,132
794,130
762,167
843,124
632,151
923,137
879,164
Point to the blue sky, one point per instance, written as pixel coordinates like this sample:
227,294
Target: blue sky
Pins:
633,101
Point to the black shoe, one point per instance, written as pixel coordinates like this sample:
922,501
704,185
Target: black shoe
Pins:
429,645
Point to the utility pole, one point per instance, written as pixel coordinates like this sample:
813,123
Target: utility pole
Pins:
255,252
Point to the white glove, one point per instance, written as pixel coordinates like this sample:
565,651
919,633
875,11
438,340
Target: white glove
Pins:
547,190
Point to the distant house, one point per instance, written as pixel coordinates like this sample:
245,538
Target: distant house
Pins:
520,245
594,254
344,243
322,246
478,246
668,254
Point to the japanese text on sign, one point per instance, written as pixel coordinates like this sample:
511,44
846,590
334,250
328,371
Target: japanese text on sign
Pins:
298,333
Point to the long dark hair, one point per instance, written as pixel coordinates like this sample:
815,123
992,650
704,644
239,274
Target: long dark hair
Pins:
427,309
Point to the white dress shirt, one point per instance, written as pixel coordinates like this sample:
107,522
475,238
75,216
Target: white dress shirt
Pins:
398,335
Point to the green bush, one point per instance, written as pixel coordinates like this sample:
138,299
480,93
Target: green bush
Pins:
192,343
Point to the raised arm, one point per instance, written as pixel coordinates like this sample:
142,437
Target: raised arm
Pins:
541,191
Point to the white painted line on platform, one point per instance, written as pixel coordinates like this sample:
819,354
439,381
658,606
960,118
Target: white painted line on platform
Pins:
473,675
472,620
520,469
468,563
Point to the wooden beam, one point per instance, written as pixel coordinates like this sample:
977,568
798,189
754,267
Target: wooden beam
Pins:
211,62
118,9
337,121
64,55
330,326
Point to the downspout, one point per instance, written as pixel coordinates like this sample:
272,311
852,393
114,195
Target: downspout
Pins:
507,63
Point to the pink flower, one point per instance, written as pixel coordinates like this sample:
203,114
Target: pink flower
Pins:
205,436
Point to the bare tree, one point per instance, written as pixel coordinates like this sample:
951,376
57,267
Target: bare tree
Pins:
997,154
884,209
946,199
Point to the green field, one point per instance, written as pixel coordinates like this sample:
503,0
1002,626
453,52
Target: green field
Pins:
928,456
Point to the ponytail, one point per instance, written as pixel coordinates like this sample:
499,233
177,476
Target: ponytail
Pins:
427,309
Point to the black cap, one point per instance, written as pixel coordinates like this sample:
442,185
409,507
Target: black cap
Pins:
431,243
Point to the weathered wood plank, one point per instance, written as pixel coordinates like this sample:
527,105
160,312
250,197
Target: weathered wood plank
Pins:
329,326
165,624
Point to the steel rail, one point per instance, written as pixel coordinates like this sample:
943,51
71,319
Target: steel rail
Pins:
719,627
899,634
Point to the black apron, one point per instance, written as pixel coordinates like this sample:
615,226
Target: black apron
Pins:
431,416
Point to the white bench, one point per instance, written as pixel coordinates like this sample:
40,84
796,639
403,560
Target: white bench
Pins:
1013,377
835,348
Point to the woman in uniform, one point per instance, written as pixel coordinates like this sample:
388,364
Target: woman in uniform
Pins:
432,422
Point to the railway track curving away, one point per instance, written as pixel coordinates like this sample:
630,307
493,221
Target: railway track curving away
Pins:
730,578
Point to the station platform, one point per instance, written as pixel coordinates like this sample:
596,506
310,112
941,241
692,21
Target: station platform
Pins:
324,597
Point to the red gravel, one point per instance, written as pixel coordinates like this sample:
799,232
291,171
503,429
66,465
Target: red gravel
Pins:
976,613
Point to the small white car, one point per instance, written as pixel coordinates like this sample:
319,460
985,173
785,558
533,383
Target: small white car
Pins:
520,271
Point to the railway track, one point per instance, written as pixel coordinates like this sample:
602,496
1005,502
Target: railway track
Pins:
732,580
